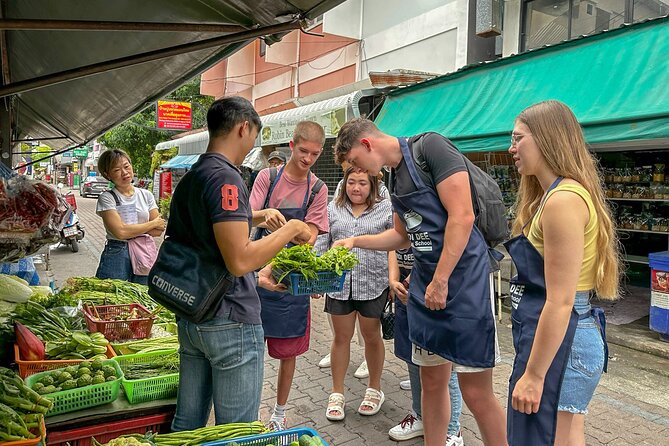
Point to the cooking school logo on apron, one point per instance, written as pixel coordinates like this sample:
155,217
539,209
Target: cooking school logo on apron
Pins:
420,240
516,292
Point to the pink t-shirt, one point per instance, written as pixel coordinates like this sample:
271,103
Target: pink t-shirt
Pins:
290,194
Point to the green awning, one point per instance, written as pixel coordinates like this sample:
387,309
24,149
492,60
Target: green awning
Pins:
617,83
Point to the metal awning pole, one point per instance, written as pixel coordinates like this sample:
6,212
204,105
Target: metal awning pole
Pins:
91,25
76,73
5,133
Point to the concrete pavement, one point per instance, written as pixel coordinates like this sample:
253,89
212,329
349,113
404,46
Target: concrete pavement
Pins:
630,407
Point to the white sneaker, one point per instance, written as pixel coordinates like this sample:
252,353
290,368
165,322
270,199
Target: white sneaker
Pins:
410,427
325,362
455,440
405,385
362,371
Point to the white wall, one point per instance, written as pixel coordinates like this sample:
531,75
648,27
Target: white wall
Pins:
422,35
413,56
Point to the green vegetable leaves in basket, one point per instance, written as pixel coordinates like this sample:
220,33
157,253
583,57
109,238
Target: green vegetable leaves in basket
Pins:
302,259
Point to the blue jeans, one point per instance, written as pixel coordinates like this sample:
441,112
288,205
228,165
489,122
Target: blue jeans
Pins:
221,361
453,391
586,361
115,263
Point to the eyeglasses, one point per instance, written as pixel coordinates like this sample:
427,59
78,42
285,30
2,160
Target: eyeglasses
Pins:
515,139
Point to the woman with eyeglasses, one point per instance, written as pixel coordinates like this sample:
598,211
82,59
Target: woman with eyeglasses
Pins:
565,250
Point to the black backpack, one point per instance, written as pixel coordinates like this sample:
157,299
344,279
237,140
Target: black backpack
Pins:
487,197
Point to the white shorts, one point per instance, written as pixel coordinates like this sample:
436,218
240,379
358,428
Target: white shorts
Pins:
424,358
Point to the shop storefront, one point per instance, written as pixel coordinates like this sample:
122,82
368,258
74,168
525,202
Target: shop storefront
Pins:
616,83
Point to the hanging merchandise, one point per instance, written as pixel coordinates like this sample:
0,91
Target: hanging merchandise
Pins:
30,215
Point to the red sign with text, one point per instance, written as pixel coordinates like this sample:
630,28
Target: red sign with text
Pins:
165,184
175,115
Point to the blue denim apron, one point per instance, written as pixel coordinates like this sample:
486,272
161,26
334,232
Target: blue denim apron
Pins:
401,341
528,296
463,332
284,315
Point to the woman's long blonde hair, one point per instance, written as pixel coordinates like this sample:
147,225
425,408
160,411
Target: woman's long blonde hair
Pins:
560,140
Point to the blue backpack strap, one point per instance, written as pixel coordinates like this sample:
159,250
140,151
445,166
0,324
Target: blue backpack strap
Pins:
314,191
273,175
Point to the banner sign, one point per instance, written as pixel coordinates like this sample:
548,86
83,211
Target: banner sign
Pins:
165,184
175,115
280,132
156,184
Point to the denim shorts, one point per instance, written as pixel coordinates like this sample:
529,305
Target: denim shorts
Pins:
585,365
115,263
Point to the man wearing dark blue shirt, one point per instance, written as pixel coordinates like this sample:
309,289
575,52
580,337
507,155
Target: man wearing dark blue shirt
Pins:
221,360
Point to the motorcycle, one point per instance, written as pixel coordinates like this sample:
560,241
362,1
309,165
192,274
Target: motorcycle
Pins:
72,231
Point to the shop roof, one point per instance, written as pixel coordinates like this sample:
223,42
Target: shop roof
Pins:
56,57
615,82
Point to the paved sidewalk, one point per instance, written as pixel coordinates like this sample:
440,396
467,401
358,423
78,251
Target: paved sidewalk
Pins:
630,407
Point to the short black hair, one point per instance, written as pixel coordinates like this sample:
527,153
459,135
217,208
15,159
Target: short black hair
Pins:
225,113
108,160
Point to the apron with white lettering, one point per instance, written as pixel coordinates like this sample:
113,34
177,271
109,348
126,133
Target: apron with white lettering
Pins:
401,339
463,332
528,296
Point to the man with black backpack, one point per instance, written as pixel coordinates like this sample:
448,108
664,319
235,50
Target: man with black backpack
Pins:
438,209
291,192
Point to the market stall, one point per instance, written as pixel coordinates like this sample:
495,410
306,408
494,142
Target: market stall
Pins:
99,359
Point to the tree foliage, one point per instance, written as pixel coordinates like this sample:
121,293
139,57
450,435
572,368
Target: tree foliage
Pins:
139,135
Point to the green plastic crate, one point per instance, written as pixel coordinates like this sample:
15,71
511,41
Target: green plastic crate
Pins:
83,397
148,389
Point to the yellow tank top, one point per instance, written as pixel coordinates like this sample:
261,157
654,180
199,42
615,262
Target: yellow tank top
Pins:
535,235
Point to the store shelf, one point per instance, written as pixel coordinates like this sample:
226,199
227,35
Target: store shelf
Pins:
637,259
657,200
642,231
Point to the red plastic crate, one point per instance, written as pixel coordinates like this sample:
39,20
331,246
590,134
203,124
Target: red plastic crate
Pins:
106,432
98,318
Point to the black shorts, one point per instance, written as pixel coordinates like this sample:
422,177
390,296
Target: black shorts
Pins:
367,308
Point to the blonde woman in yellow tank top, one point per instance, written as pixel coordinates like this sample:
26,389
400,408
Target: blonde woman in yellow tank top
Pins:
572,228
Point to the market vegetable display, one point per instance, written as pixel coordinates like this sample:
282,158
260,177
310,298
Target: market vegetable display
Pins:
31,347
94,291
14,289
64,336
304,440
78,345
198,436
47,324
21,409
303,259
85,374
160,365
147,345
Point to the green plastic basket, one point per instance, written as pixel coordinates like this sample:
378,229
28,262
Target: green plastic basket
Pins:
148,389
83,397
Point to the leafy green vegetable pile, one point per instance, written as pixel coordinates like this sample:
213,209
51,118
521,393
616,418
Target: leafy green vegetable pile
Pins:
90,290
302,259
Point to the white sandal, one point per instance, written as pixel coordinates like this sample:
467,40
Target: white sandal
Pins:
336,404
371,394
